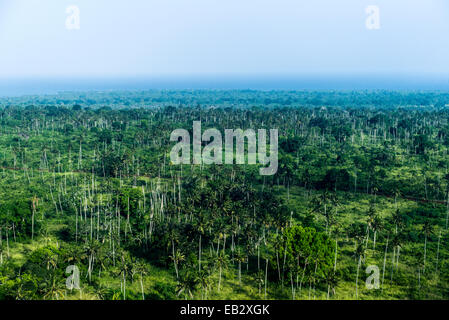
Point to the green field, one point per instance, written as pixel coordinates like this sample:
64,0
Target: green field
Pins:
362,184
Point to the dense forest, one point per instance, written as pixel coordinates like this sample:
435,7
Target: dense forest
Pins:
87,184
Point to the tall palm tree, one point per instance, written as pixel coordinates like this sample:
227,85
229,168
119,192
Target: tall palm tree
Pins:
323,204
177,257
140,268
125,271
260,279
398,220
376,225
205,281
396,243
34,204
53,289
187,286
222,263
239,257
51,260
200,226
419,255
332,282
427,230
359,254
92,249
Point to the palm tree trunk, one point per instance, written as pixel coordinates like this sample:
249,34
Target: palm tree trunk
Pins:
219,279
240,271
385,261
124,287
392,262
32,226
425,251
293,288
266,273
397,257
141,287
199,254
438,250
357,278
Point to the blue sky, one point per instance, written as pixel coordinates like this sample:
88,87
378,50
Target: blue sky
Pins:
171,37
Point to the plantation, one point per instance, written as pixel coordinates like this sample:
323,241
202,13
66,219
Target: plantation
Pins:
87,184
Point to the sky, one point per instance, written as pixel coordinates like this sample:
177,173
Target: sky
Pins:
208,37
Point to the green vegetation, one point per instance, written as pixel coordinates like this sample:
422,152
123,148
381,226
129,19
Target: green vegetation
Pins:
86,181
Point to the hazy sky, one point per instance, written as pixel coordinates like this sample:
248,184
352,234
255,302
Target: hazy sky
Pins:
165,37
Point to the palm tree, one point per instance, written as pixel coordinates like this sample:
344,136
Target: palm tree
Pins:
222,262
177,257
141,269
278,243
239,258
385,261
438,250
371,221
396,193
125,270
51,260
44,233
359,254
376,225
53,289
398,220
187,285
332,282
92,250
396,243
34,204
205,282
419,264
260,279
323,204
427,230
201,226
357,232
74,255
102,292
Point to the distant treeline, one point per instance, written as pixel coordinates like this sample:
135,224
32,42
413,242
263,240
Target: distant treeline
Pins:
238,98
